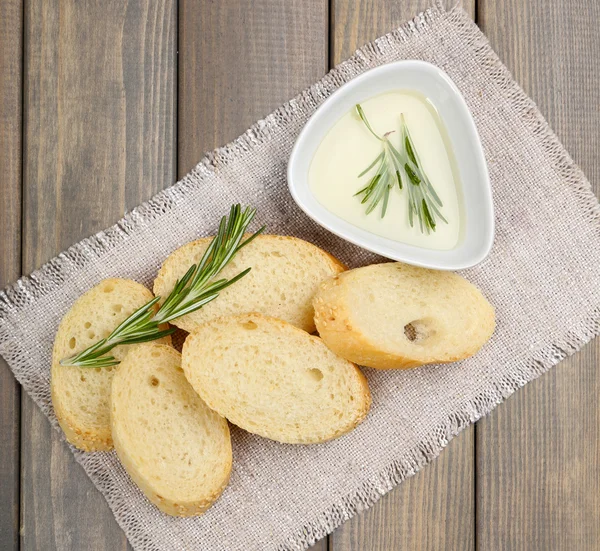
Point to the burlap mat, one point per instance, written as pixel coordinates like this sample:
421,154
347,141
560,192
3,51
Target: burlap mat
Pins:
543,278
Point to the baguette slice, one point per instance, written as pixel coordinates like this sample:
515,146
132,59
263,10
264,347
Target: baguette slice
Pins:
285,274
176,449
81,395
275,380
396,316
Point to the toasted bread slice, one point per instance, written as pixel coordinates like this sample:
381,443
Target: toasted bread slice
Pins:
285,274
81,395
176,449
395,316
275,380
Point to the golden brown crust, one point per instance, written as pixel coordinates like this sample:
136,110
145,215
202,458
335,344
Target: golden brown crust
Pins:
179,508
365,393
159,284
89,439
336,265
336,326
300,312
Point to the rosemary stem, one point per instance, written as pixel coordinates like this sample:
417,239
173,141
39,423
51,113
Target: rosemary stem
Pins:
392,163
195,289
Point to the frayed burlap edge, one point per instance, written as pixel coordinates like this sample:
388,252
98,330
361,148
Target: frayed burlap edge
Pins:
39,283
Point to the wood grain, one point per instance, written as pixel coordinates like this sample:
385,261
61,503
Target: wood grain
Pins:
538,456
435,508
11,58
356,22
99,138
239,61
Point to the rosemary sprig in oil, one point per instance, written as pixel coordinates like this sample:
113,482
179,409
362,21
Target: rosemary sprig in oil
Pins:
387,173
195,289
395,166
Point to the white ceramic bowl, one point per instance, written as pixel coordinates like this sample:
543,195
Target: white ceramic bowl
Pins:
478,223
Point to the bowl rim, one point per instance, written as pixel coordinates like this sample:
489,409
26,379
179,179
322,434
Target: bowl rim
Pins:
395,250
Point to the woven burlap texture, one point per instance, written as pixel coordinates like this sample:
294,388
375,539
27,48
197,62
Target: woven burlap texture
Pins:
542,276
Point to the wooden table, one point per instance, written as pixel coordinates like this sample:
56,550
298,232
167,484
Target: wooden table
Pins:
102,104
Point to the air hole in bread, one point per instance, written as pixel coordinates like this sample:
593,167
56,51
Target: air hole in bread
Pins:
315,374
108,288
250,325
82,379
117,308
155,354
87,324
154,381
410,332
109,368
72,343
418,330
91,335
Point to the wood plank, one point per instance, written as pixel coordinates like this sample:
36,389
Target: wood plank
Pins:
11,58
99,133
356,22
538,455
434,509
240,60
237,62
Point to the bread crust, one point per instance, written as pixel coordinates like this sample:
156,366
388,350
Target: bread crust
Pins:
80,435
163,282
337,325
364,393
173,507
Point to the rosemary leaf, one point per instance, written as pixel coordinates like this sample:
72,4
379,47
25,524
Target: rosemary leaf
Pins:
423,201
428,217
409,150
195,289
411,175
363,118
399,178
386,197
377,159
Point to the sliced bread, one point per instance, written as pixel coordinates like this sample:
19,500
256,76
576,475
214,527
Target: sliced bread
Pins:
81,395
285,274
176,449
275,380
395,316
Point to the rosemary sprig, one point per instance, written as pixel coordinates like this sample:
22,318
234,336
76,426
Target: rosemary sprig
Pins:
195,289
422,197
391,165
386,175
